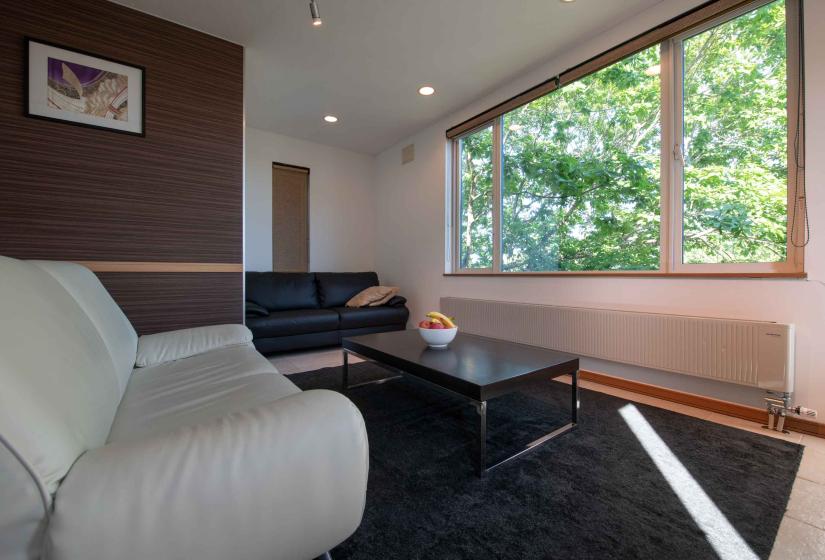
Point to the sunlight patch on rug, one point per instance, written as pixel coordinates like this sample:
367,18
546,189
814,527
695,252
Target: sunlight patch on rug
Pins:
720,534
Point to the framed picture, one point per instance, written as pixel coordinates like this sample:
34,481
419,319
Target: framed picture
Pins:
76,87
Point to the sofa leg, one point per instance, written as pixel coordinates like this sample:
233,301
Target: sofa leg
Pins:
325,556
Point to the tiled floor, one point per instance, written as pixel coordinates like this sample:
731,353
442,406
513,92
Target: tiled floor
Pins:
802,533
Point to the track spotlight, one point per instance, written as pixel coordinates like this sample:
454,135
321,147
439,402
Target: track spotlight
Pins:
316,15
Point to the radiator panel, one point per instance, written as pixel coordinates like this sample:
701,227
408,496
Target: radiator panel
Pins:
752,353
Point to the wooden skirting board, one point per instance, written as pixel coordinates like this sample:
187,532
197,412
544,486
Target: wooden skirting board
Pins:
128,266
632,274
745,412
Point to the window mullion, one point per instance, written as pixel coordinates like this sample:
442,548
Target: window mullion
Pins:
455,205
675,155
665,167
497,178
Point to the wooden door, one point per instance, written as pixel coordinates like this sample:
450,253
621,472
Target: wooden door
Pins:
290,219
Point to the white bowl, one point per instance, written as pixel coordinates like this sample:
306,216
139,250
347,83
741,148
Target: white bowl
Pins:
438,338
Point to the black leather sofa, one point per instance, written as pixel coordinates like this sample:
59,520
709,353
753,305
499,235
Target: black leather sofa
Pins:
290,311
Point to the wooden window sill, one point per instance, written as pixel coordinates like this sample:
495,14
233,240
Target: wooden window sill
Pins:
635,274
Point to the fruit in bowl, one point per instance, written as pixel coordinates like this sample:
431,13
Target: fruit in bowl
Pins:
437,330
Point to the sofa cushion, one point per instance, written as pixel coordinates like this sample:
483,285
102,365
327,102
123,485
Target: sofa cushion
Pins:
359,317
60,387
158,348
335,289
197,389
280,291
283,480
117,332
372,296
296,321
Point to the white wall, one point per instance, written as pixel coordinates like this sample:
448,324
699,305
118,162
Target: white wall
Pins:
412,211
341,202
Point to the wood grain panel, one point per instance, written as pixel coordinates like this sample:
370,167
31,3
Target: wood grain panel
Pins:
172,197
163,301
82,194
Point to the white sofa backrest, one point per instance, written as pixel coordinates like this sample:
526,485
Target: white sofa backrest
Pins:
59,390
117,332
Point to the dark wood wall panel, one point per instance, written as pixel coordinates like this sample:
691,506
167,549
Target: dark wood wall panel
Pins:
163,301
175,195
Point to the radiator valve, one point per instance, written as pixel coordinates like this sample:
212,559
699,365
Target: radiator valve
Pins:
779,406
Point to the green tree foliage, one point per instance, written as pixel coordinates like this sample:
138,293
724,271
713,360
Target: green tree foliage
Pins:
476,153
581,165
736,140
581,174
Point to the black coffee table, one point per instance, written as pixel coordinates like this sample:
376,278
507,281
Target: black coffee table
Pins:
474,367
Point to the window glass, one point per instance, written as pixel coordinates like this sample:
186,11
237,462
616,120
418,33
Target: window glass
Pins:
583,177
475,153
735,141
580,168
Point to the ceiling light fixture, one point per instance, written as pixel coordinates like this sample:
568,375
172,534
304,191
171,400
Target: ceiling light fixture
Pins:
567,1
426,90
331,119
316,15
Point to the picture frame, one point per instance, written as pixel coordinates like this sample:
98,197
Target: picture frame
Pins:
77,87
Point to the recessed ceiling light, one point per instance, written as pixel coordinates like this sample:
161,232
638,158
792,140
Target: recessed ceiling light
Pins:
567,1
426,90
331,118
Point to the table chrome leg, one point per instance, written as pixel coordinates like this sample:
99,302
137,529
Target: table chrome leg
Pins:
574,413
481,409
347,386
345,381
535,444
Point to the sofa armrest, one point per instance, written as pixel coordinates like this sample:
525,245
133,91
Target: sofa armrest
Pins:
252,309
282,481
154,349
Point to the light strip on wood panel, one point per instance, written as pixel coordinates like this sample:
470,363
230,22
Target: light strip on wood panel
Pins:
139,266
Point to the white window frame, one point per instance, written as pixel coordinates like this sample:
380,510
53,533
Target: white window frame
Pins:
794,256
495,127
671,169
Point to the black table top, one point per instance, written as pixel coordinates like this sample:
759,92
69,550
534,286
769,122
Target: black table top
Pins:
474,366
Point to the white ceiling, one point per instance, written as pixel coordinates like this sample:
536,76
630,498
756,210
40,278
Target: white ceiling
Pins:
366,62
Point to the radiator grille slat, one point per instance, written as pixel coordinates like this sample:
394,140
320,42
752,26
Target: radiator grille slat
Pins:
727,350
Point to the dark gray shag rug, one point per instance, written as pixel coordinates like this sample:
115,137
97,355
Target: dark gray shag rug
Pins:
592,493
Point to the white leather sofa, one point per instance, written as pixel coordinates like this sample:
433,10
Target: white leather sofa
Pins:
187,445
